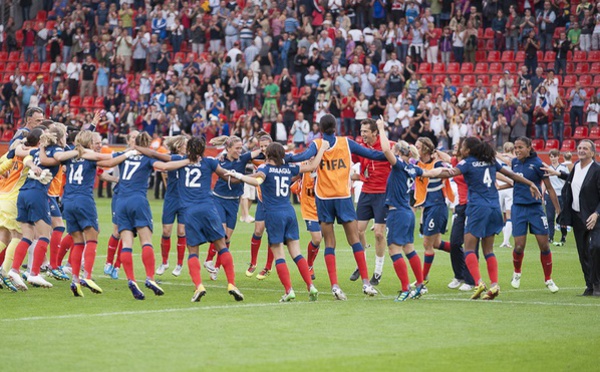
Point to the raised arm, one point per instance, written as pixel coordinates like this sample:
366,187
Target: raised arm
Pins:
303,156
255,179
552,194
385,142
359,150
520,179
317,159
171,165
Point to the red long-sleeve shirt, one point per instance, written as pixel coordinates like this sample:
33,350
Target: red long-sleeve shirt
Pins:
461,185
373,173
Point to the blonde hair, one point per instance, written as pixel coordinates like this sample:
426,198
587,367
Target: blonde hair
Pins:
406,149
55,135
143,139
173,144
226,141
428,145
509,147
85,138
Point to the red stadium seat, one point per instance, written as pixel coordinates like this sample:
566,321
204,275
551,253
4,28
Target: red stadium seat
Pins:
439,79
495,79
537,144
597,144
99,102
594,56
88,102
455,79
568,146
45,67
569,81
3,56
424,68
582,68
75,101
466,68
586,81
480,56
488,34
469,80
579,56
267,127
438,68
481,68
11,67
35,67
428,78
520,56
552,144
493,56
508,56
2,68
495,69
570,67
549,57
557,32
567,132
485,79
23,66
50,25
581,132
453,68
14,57
595,133
595,68
511,67
239,113
7,135
41,16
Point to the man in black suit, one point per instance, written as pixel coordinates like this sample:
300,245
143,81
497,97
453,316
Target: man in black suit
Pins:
581,211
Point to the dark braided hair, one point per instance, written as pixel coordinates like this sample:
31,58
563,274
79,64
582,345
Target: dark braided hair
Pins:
195,149
33,138
480,150
275,152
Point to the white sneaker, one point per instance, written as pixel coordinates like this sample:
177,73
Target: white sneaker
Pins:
516,280
214,274
505,245
551,286
17,281
162,268
39,281
67,270
339,294
210,266
177,270
466,287
455,283
369,290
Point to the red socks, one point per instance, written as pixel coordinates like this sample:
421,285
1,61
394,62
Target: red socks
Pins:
39,254
65,245
331,267
212,251
270,258
127,261
55,239
361,261
194,267
517,260
313,251
181,244
165,248
415,265
546,258
90,257
401,271
20,253
444,246
148,260
254,248
119,250
227,262
112,248
427,264
473,266
284,274
76,254
303,268
492,267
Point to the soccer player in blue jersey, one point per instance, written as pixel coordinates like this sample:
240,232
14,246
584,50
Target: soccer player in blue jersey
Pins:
483,215
528,212
79,208
203,221
275,178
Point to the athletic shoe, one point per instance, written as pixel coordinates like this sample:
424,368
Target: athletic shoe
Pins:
115,273
375,279
291,295
339,294
479,289
66,269
37,280
455,283
214,275
551,286
199,293
177,270
413,285
108,268
251,270
135,290
263,274
151,284
237,295
492,293
17,281
210,267
8,283
311,270
355,275
369,290
162,268
313,293
91,285
248,219
466,287
506,245
57,274
516,280
419,291
559,243
402,296
76,289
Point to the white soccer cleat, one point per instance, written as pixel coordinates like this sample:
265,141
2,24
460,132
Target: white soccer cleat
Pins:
369,290
516,280
339,294
466,287
210,266
506,245
37,280
551,286
177,270
17,281
162,268
455,283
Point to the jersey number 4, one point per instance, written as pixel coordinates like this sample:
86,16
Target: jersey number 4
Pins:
487,179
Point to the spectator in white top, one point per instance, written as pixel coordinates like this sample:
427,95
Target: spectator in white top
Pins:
551,84
324,40
393,61
300,130
405,114
361,107
73,71
436,121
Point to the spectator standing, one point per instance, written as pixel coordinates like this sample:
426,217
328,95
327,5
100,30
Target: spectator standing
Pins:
458,45
499,28
300,130
88,77
577,99
546,26
73,74
531,48
124,49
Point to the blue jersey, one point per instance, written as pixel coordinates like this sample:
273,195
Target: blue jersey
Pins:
435,190
480,178
173,180
195,181
229,190
399,183
531,169
135,173
355,149
35,184
81,175
276,187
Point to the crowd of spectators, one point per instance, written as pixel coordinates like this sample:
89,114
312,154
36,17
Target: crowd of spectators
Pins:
209,68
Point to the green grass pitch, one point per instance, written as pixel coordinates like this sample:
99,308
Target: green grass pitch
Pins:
528,329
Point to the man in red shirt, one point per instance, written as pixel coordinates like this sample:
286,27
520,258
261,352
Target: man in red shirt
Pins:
28,43
348,114
371,203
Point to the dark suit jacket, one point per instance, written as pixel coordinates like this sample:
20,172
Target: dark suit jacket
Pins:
589,196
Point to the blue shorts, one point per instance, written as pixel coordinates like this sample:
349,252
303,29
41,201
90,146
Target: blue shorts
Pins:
171,209
400,227
33,206
313,226
331,209
80,213
134,212
435,219
113,208
371,206
228,210
260,212
482,222
282,226
532,216
203,224
54,207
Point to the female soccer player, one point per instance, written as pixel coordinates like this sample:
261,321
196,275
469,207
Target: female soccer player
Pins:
506,194
80,208
483,215
203,222
528,212
275,178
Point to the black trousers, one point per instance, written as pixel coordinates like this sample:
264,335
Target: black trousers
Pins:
588,248
457,238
